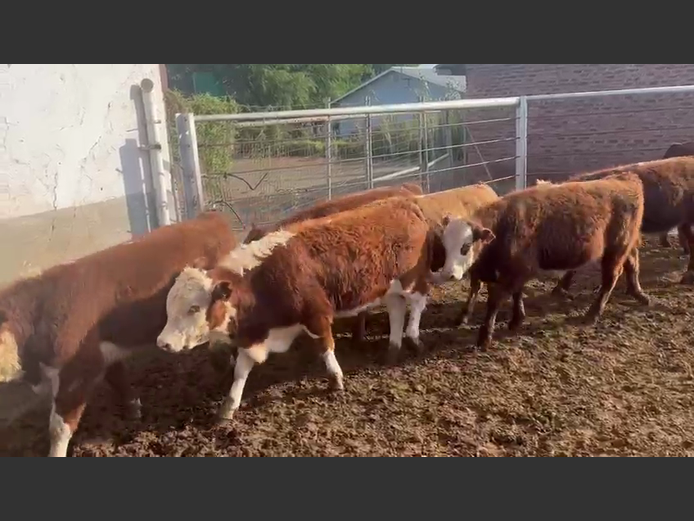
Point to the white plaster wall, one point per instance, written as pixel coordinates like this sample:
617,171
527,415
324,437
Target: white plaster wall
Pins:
69,135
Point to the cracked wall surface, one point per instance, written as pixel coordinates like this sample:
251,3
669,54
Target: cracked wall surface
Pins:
72,177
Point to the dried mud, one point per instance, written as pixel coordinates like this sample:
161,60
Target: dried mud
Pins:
622,387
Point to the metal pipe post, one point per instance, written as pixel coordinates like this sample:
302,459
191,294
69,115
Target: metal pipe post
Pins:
190,164
369,151
522,143
328,154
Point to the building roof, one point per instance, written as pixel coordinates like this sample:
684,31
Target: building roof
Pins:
427,74
430,75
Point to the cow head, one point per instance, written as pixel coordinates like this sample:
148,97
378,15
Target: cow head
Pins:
463,242
186,311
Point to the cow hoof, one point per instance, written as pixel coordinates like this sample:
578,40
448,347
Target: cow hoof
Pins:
226,412
484,343
416,344
642,298
393,355
336,385
560,292
133,410
515,324
590,318
687,278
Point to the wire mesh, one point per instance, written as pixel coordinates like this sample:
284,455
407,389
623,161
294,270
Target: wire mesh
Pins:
262,173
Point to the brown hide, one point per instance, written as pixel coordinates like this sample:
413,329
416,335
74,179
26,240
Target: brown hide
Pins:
116,295
330,207
338,204
332,264
560,228
668,195
677,150
668,186
457,202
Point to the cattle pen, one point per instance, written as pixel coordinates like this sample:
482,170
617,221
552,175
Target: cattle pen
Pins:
622,387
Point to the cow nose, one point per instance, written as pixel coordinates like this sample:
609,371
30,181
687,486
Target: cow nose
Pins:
161,344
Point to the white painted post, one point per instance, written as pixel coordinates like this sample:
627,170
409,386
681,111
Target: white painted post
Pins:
522,143
190,164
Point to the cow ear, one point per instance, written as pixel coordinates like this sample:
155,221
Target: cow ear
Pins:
221,291
201,263
486,235
446,220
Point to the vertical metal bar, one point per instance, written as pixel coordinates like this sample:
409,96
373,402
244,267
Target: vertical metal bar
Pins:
329,154
522,143
448,137
190,164
369,152
425,147
420,121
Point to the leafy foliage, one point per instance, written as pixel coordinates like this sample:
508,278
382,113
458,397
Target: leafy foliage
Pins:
280,85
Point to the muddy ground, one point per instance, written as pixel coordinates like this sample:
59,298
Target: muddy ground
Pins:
623,387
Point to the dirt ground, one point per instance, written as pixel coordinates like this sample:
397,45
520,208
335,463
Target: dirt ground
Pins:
623,387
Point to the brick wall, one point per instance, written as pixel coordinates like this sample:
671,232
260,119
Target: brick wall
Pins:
586,134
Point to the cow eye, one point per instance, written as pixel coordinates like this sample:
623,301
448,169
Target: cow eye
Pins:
465,249
193,309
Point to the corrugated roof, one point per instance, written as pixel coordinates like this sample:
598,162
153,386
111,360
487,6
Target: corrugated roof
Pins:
422,73
430,75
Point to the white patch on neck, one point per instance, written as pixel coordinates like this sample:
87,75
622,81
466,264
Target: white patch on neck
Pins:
245,257
10,365
220,334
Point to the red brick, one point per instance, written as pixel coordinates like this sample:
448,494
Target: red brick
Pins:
552,125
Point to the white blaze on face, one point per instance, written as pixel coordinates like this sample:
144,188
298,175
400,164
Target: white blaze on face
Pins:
186,308
460,255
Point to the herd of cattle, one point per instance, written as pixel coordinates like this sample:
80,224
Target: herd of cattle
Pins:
190,283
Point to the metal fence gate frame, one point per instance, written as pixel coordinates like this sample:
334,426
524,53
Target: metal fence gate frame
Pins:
192,185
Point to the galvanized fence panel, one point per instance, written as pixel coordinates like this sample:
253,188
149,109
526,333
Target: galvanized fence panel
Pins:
261,167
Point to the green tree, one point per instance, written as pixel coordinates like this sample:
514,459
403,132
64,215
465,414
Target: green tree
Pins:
278,85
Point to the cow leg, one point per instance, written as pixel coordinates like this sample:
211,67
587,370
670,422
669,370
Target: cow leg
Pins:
631,270
665,240
117,377
418,303
244,364
684,241
397,308
496,295
518,311
466,313
72,387
359,328
688,277
562,287
221,356
612,267
320,327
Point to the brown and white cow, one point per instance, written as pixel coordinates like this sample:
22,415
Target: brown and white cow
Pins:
65,329
668,186
454,203
511,241
678,150
333,206
264,294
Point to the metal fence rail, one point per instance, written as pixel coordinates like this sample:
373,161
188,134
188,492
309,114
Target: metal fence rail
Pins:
262,166
578,132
